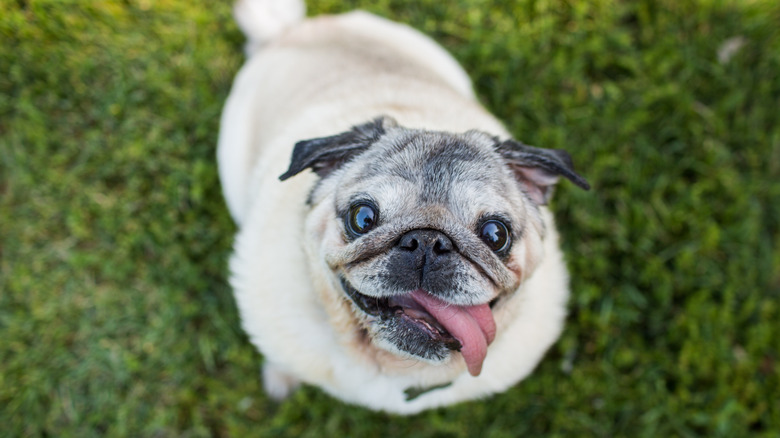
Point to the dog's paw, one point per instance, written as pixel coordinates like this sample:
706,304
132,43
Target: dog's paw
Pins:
278,384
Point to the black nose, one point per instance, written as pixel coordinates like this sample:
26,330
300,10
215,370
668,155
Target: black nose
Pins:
424,258
430,243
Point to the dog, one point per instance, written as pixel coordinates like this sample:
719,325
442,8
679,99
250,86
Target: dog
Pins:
394,247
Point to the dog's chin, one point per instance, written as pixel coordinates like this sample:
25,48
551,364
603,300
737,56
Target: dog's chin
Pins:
401,326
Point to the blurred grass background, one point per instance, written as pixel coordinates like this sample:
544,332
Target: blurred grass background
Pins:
115,316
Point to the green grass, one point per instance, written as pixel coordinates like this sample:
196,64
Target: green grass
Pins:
115,316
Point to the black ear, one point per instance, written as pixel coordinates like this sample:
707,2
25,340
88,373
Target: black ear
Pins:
326,154
538,169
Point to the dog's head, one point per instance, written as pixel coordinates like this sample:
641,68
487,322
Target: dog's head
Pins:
423,234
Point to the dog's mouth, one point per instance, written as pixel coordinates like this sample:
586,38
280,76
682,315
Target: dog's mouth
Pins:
427,326
403,306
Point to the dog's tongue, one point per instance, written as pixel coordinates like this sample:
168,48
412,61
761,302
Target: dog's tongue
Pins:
473,326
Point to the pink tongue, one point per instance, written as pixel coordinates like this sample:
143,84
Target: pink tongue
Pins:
473,326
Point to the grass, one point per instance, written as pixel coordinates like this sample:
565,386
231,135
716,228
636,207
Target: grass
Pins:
115,316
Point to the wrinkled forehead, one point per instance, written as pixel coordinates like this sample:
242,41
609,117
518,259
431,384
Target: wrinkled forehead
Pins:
460,172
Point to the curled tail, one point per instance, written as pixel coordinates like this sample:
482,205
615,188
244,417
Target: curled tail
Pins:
262,20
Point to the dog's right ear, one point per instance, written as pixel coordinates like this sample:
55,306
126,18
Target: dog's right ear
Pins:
326,154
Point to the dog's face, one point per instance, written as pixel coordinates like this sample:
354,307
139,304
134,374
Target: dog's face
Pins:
423,234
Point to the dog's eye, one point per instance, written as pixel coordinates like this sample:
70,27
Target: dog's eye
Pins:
361,219
495,234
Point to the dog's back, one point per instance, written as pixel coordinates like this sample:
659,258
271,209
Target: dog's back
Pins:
299,69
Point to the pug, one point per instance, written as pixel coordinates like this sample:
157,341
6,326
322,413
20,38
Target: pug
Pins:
394,246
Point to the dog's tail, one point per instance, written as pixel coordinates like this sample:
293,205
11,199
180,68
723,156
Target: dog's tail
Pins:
262,20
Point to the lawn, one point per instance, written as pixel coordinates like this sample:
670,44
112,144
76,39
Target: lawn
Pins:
115,315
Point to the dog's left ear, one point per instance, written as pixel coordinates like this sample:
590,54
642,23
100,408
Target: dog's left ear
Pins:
538,169
326,154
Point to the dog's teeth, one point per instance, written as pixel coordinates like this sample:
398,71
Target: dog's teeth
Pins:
416,314
424,318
